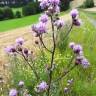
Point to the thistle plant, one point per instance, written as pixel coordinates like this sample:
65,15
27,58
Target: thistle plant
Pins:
51,14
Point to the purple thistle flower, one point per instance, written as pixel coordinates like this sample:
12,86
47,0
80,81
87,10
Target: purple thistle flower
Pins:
66,90
54,2
70,81
71,45
57,9
53,9
44,4
21,84
10,49
59,23
50,10
85,63
78,60
77,48
74,13
25,52
81,53
77,22
42,87
43,18
39,28
13,92
20,41
34,28
19,48
37,42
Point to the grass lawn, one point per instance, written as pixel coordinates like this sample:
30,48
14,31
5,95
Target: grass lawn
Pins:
16,23
20,22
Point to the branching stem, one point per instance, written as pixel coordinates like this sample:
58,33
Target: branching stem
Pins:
41,40
34,71
52,58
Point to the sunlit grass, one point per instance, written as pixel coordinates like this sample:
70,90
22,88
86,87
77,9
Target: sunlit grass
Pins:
17,23
20,22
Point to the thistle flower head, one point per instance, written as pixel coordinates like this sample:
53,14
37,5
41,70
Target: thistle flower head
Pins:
54,2
59,23
74,13
25,51
21,84
77,22
13,92
70,81
10,49
42,87
71,45
44,4
43,18
77,48
36,42
85,63
20,41
53,9
34,28
57,9
66,90
78,60
39,28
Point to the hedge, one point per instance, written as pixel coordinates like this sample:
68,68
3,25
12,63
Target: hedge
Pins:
31,9
89,3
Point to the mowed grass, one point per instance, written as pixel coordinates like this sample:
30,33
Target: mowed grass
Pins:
17,23
20,22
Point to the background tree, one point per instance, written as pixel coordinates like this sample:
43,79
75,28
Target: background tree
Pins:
65,4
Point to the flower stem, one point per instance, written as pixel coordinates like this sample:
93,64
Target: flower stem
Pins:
41,40
52,58
66,35
34,71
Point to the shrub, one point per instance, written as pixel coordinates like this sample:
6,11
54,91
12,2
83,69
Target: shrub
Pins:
37,6
89,3
1,14
65,4
8,13
18,14
31,9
